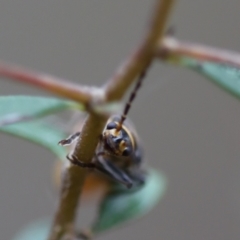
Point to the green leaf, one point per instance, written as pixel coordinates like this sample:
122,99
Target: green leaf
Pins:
22,108
17,109
38,230
224,75
121,204
40,133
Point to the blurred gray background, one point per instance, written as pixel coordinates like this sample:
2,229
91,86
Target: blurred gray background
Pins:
190,128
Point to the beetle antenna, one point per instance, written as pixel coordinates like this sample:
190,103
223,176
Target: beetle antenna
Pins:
131,98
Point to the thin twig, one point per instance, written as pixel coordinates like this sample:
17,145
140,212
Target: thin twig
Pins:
74,176
141,58
47,82
73,179
173,49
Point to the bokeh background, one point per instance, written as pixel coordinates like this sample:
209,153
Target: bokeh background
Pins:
190,128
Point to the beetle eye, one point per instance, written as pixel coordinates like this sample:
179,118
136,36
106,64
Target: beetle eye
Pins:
126,152
111,125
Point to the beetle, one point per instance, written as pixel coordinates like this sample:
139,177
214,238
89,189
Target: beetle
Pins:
119,153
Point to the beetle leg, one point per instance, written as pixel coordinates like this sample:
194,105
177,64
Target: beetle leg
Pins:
138,176
79,163
109,168
71,139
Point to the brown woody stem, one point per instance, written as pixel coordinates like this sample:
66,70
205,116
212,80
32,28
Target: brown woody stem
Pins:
74,176
64,221
142,57
47,82
173,49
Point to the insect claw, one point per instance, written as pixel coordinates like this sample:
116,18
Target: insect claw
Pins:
63,142
71,139
79,163
129,185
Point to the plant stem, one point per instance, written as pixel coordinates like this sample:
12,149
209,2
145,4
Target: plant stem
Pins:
73,181
142,57
74,176
47,82
173,49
